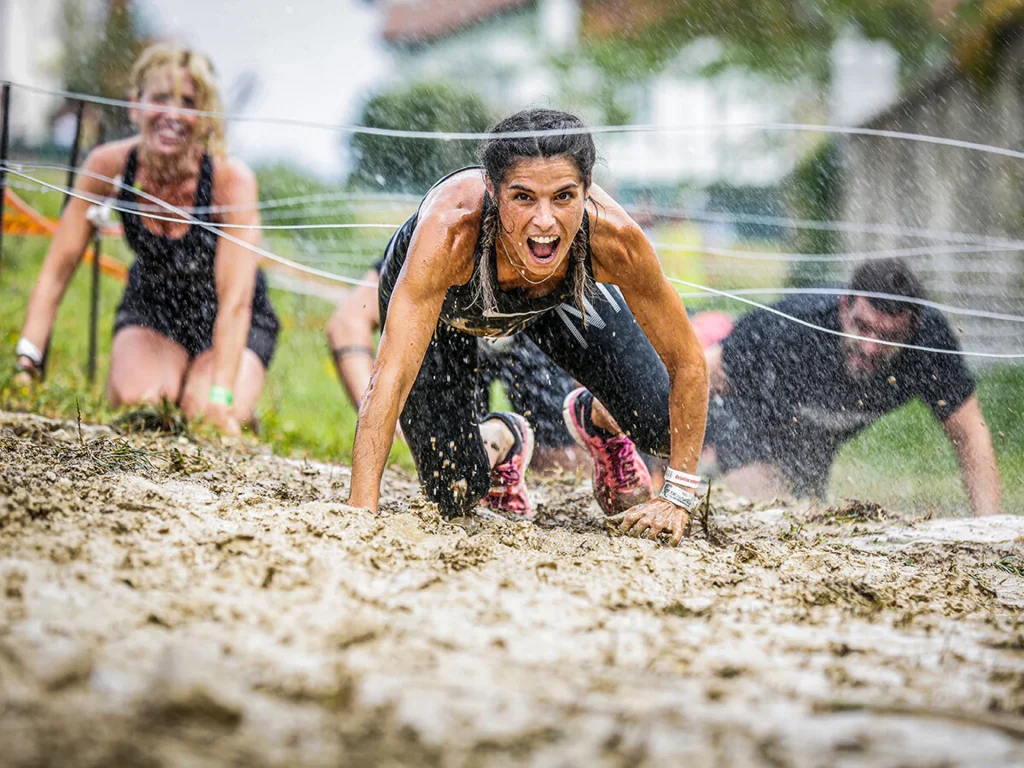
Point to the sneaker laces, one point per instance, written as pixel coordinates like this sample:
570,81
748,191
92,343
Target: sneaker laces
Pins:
623,460
507,474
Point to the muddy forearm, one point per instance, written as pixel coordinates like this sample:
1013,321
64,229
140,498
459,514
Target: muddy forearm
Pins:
977,462
374,434
688,410
352,349
972,442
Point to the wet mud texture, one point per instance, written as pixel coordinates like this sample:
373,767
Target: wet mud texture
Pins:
165,602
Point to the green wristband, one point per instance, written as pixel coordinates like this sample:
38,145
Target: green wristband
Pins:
221,395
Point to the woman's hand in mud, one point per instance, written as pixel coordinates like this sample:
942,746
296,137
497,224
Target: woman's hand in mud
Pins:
26,374
651,520
223,418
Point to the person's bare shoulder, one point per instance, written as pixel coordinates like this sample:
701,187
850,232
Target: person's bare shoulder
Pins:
457,201
450,215
614,236
107,161
233,181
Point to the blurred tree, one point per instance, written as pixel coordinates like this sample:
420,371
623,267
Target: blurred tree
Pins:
384,163
629,39
293,197
98,59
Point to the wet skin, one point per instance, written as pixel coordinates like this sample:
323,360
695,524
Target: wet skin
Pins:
539,198
867,357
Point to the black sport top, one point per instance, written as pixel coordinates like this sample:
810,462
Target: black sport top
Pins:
462,308
793,401
174,277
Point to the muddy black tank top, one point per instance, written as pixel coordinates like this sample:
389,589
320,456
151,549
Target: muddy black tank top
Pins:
462,308
180,270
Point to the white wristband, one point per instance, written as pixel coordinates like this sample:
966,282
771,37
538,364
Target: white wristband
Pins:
678,497
27,349
682,479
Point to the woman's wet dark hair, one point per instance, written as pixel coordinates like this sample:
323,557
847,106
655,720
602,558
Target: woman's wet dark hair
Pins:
499,155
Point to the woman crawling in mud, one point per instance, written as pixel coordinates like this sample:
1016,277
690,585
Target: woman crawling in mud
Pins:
528,244
195,325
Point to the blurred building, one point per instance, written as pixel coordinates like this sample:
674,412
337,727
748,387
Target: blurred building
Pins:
519,53
30,52
967,206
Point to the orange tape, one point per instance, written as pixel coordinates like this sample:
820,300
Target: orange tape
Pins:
20,218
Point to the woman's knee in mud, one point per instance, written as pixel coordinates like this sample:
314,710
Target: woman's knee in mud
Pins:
121,392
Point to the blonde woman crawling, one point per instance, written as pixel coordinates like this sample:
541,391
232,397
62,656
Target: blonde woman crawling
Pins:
527,244
195,325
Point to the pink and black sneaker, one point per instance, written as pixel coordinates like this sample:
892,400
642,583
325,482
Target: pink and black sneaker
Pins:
621,479
508,479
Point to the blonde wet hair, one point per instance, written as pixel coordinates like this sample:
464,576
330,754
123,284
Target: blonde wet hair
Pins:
182,61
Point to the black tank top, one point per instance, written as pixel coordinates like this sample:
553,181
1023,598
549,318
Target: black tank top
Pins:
179,271
462,308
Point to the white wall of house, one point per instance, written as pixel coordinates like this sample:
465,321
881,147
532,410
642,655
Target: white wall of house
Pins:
865,79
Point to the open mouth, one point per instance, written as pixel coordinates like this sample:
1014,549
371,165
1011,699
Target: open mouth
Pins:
543,249
170,134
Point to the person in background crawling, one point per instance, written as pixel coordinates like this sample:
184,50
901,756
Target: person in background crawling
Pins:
195,325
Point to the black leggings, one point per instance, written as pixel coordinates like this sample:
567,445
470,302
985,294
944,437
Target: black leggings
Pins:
611,357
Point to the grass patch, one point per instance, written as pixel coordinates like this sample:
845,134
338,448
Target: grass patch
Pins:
904,461
302,412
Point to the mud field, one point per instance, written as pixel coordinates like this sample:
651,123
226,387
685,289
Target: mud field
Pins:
168,602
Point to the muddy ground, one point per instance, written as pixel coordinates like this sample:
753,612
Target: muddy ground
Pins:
164,601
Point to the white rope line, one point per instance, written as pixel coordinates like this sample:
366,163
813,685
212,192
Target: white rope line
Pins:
997,243
830,225
283,202
475,136
936,350
783,222
869,295
205,225
775,256
746,255
108,204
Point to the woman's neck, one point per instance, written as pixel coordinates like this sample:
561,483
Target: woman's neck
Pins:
164,170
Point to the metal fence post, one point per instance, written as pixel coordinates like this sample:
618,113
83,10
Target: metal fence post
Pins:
73,158
94,306
5,105
94,299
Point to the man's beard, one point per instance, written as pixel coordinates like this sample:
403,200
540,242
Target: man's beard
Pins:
868,369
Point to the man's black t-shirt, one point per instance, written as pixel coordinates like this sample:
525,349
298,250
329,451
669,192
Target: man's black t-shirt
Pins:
792,403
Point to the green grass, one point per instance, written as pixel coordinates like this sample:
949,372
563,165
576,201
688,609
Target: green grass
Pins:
302,412
905,462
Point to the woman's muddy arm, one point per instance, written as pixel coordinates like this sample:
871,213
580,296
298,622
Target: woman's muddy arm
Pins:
68,246
440,256
235,277
624,256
